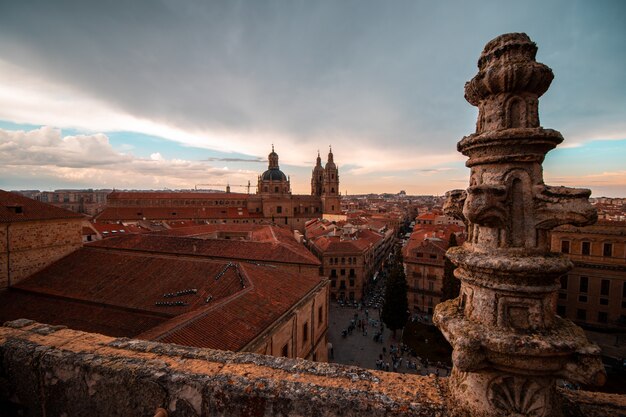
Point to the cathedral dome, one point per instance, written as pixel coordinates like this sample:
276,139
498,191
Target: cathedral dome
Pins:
273,174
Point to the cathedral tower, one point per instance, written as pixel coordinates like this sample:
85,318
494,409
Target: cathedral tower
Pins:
330,187
317,178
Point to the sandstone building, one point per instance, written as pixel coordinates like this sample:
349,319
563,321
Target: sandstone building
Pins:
273,201
90,202
424,260
350,255
594,292
33,235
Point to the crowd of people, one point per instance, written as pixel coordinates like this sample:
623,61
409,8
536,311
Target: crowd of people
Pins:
393,356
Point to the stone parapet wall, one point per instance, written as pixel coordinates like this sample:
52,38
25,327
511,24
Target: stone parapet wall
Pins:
51,370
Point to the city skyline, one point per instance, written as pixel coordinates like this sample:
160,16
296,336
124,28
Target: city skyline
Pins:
158,95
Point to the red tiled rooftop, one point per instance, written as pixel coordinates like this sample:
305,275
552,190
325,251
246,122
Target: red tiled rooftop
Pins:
213,248
114,292
134,195
17,208
114,213
237,322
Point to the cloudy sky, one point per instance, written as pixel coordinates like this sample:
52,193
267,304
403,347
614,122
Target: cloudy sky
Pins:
169,94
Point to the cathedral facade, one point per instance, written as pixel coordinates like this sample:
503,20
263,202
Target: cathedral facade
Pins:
273,201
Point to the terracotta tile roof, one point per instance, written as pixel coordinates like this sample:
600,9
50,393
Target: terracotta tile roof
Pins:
113,213
134,195
253,232
427,216
430,238
17,208
213,248
236,322
88,231
79,315
113,229
114,292
131,281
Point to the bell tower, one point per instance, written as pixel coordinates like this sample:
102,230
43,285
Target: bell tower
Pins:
330,187
317,177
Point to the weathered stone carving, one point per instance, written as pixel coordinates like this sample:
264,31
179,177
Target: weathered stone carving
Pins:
509,345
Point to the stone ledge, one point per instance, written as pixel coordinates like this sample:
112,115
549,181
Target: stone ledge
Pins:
52,370
55,371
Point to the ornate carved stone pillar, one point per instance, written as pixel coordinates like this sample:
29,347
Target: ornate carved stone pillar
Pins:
509,345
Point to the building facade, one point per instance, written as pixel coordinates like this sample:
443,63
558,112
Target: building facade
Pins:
424,261
273,201
594,291
350,255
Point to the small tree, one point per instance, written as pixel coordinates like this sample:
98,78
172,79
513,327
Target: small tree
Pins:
451,286
395,308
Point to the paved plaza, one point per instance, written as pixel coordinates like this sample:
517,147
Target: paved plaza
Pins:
362,350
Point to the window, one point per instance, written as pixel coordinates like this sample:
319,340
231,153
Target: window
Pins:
275,189
586,248
333,283
343,272
305,332
433,256
419,254
561,311
343,261
285,351
333,273
584,284
352,283
279,209
607,249
564,282
605,286
565,246
562,296
582,298
352,274
603,317
604,301
581,314
320,315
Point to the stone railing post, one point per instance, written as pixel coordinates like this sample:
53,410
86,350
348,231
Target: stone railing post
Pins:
509,345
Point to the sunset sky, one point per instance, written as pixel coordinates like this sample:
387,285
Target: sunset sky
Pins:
169,94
